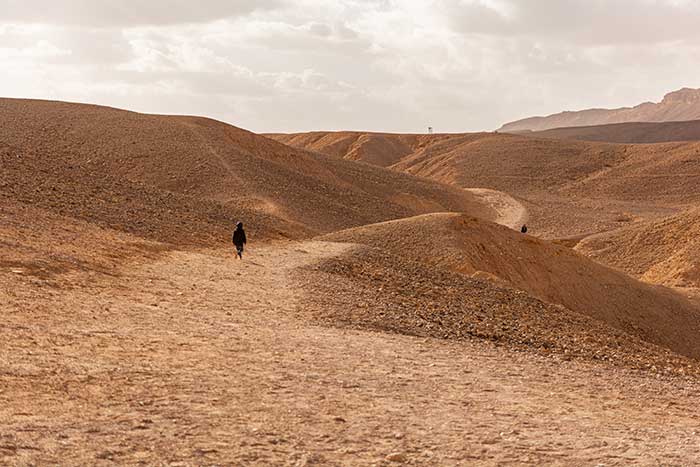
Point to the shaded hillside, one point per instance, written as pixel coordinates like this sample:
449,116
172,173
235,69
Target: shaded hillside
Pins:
539,168
665,251
515,164
368,288
188,179
552,273
569,187
382,149
680,105
627,132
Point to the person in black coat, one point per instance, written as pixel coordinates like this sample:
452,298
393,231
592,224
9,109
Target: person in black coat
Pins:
239,239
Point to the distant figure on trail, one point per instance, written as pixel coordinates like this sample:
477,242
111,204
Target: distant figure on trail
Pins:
523,229
239,239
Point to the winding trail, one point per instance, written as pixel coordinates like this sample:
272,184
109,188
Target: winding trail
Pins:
510,212
200,359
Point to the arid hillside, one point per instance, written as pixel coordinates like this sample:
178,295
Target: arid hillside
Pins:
665,251
382,149
188,178
551,273
377,317
528,166
569,187
465,159
653,132
680,105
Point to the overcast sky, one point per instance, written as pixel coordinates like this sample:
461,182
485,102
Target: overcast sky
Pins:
382,65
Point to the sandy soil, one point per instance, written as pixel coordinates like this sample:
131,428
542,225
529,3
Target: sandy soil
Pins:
510,212
124,344
664,251
200,359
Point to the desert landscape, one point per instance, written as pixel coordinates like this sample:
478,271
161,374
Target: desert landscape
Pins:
388,310
344,234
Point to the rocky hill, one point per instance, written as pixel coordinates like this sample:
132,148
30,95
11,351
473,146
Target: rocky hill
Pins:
187,179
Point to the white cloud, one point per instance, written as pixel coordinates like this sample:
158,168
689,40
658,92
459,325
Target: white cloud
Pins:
393,65
41,50
578,21
126,13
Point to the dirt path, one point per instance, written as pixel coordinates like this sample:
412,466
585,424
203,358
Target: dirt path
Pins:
199,359
510,211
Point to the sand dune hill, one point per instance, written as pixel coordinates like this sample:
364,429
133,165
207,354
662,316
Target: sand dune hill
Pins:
680,105
552,273
188,178
665,251
652,132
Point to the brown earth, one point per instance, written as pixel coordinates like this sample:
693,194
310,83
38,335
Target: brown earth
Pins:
465,245
665,251
569,188
645,133
509,211
680,105
524,166
382,149
198,359
130,337
190,178
613,199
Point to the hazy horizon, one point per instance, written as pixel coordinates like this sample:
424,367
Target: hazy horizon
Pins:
283,66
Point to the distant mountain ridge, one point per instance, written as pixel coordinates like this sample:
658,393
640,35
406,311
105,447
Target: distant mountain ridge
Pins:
628,133
681,105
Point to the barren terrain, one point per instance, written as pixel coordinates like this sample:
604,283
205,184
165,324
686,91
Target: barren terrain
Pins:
199,359
509,211
130,171
380,315
569,188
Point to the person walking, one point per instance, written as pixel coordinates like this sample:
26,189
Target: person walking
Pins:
239,239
